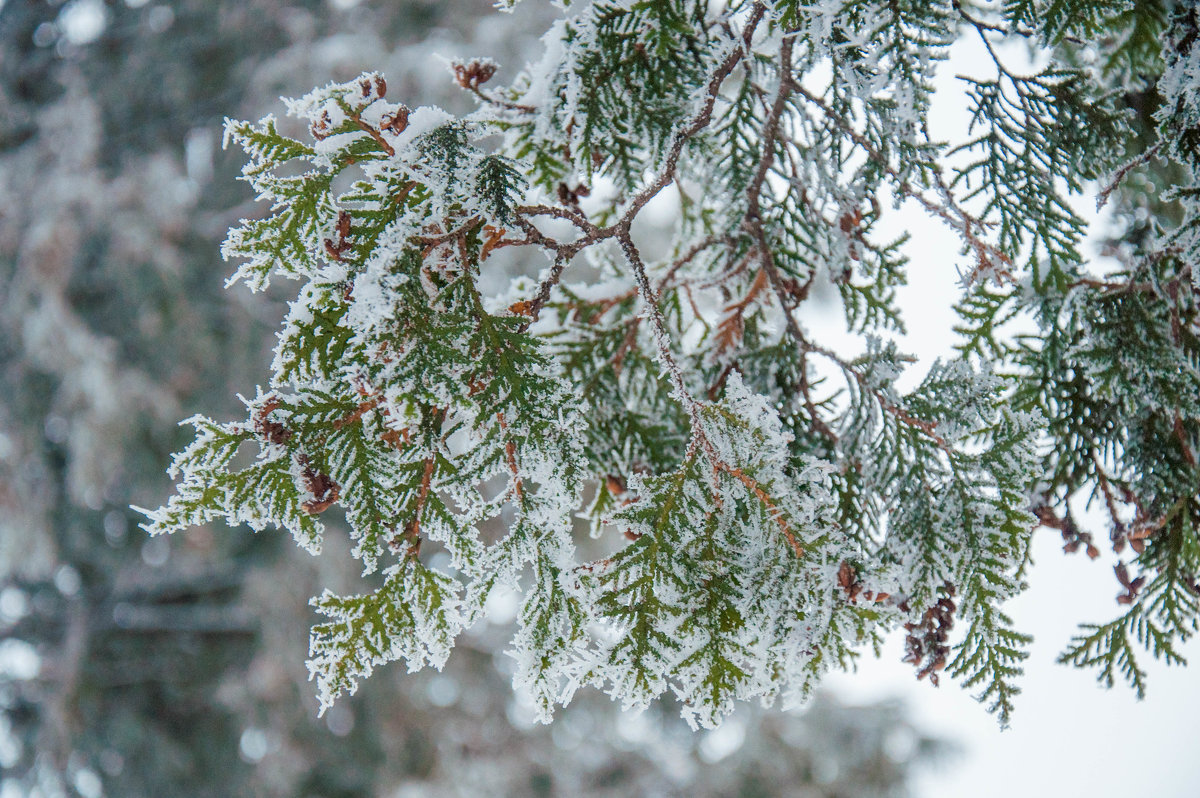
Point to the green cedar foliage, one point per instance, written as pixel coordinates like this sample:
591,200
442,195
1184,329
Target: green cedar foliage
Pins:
769,505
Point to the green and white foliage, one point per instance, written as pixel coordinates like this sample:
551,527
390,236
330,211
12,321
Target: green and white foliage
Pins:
1113,366
766,506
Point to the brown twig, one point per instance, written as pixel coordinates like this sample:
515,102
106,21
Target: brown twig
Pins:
763,497
445,238
413,529
510,456
357,119
358,413
499,103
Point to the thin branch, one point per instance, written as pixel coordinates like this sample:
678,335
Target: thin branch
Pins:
534,307
372,132
620,228
771,129
689,256
499,103
659,329
356,415
700,121
765,498
413,529
953,214
753,221
558,212
445,238
690,403
1119,176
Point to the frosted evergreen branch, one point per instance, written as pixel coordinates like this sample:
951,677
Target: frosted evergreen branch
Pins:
768,505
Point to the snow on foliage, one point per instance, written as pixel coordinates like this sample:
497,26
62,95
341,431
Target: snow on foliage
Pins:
772,505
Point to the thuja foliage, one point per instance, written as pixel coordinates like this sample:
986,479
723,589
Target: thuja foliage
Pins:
767,505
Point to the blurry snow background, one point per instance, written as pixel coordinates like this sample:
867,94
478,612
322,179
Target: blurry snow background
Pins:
133,667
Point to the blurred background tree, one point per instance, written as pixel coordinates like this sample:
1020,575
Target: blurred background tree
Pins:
136,667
